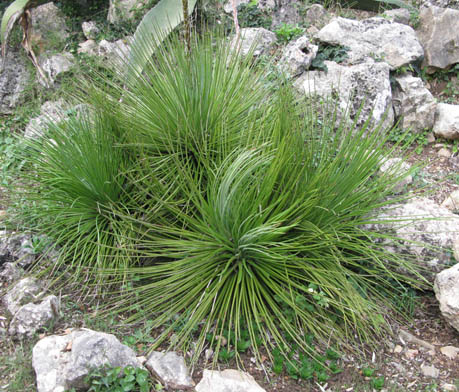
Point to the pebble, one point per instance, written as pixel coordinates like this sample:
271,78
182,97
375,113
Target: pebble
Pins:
444,153
450,351
449,387
398,349
430,371
410,354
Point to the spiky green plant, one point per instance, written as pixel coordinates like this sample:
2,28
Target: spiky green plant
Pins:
230,202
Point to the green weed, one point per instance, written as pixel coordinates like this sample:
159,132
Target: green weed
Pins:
286,32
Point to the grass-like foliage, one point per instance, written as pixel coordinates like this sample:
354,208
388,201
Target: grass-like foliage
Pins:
228,204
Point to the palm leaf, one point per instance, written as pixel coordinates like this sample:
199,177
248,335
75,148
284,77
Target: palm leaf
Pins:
154,27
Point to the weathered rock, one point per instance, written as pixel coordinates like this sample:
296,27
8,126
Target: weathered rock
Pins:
439,36
123,10
287,11
50,112
317,15
405,337
31,318
171,370
262,5
115,52
62,362
48,20
89,47
363,88
429,241
13,81
228,380
450,351
440,3
394,43
447,121
90,30
297,56
259,40
430,371
452,202
398,15
397,167
10,272
54,65
446,289
413,103
25,291
16,247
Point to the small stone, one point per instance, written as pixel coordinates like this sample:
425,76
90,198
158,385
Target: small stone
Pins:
208,354
430,371
452,201
449,387
444,152
411,354
398,349
407,337
90,30
228,380
89,47
25,291
171,370
447,121
450,351
430,138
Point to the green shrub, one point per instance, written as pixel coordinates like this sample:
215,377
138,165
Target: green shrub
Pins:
223,201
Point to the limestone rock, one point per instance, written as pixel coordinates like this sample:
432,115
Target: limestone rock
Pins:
55,64
48,20
228,380
364,84
16,247
31,318
452,202
50,112
88,47
429,241
297,56
59,368
25,291
90,30
398,15
317,15
258,39
287,11
394,43
13,81
413,103
430,371
446,289
10,272
115,52
123,10
439,34
447,121
171,370
450,351
396,167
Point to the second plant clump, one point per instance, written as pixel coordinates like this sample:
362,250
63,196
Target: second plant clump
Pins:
219,203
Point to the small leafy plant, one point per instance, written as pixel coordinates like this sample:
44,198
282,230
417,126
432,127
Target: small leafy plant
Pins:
116,379
251,16
286,32
336,53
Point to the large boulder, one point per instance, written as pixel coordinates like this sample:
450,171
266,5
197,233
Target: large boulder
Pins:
123,10
54,65
228,380
170,369
439,35
446,289
62,362
51,111
429,232
25,291
13,80
32,318
257,39
379,38
447,121
286,12
414,105
48,23
297,56
363,88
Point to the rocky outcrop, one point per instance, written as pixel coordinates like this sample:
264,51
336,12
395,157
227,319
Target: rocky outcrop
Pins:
47,19
394,43
363,88
446,289
414,105
62,362
25,291
447,121
50,112
228,380
90,30
13,80
439,34
170,369
123,10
